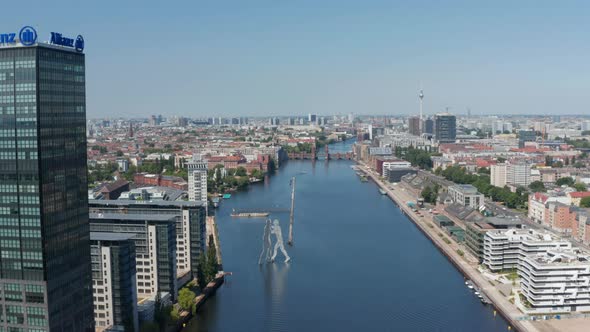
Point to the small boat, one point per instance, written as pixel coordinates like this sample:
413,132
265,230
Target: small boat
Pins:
476,293
226,196
383,192
470,286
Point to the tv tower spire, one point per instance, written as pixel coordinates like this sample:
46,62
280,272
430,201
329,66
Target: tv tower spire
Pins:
421,96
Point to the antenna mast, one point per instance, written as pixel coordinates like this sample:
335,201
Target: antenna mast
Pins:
292,215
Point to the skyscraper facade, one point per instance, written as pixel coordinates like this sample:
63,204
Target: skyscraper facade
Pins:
45,272
445,127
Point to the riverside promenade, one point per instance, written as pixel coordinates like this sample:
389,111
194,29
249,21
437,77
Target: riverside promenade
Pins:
502,305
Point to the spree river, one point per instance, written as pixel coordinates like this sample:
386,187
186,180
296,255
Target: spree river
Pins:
358,264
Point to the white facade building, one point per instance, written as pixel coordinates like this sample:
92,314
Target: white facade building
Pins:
556,281
498,175
197,179
504,248
466,195
518,174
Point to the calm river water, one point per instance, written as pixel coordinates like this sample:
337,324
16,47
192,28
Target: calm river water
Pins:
358,264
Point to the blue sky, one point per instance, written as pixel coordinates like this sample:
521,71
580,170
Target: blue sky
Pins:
281,57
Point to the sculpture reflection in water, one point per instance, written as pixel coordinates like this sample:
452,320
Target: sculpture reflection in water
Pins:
270,228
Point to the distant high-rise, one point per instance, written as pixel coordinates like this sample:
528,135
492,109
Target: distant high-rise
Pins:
311,118
429,126
445,127
45,270
414,125
197,179
526,136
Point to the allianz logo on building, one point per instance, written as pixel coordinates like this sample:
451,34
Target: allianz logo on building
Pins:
28,36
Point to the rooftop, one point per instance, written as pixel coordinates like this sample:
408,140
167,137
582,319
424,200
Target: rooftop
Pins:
465,188
125,202
138,216
107,236
562,257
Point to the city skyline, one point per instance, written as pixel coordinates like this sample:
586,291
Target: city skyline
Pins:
370,58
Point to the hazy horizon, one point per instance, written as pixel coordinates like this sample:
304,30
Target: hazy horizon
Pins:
268,58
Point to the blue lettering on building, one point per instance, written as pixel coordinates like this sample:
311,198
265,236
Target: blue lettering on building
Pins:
58,39
7,38
27,37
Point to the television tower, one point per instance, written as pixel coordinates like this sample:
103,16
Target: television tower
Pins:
421,96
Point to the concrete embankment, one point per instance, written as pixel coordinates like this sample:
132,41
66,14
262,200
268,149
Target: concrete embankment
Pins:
499,301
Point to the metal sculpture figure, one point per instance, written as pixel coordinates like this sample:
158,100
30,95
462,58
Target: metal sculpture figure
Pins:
266,243
276,230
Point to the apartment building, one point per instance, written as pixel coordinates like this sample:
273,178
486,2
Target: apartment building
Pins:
154,237
190,225
503,248
114,285
555,281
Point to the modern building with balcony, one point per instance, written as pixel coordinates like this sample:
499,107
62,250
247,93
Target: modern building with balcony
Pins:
555,281
154,237
190,225
114,285
504,248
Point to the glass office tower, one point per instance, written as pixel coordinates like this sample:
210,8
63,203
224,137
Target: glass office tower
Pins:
45,272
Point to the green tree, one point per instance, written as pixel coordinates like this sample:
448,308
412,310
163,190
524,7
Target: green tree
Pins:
580,187
567,181
174,314
241,171
212,264
201,278
548,161
537,186
426,194
585,202
186,298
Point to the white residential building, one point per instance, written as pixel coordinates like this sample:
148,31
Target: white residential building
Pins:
466,195
517,173
503,248
498,175
197,179
555,281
